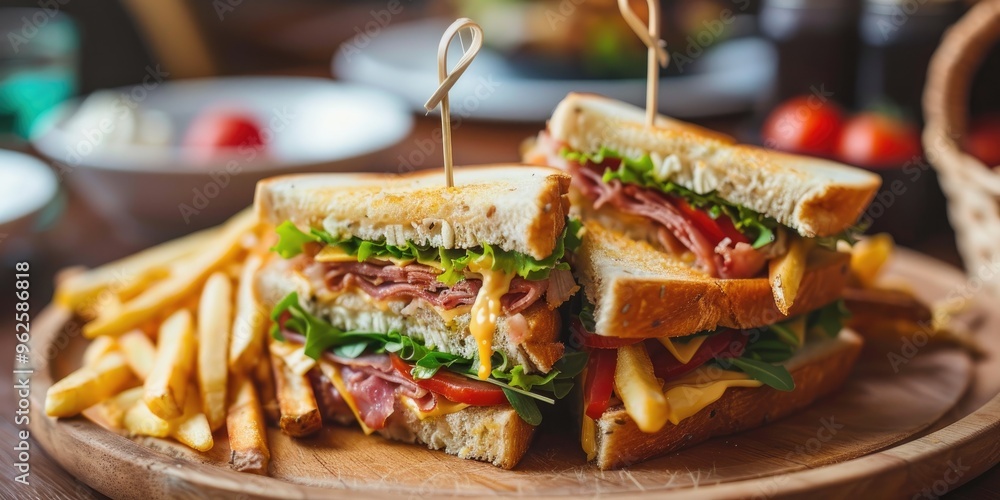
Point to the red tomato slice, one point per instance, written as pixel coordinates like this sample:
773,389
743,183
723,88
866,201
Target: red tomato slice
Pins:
454,387
600,381
715,230
727,344
580,337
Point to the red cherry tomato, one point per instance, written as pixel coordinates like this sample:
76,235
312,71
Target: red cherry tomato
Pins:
581,337
983,139
216,129
715,230
727,344
600,381
877,141
804,124
454,387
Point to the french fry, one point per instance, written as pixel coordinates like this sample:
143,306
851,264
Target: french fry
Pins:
294,357
299,413
868,257
167,384
139,421
125,276
639,390
115,408
88,386
786,271
139,352
185,277
246,345
247,432
264,378
97,348
214,322
192,428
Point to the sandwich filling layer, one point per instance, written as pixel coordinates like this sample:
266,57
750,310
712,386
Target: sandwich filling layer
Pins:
663,381
726,240
486,285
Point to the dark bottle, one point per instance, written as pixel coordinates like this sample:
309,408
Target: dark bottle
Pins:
898,38
817,46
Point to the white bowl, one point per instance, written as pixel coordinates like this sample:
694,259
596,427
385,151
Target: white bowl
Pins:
27,185
310,124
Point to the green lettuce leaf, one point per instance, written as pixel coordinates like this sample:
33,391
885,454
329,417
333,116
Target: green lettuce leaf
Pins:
453,262
513,379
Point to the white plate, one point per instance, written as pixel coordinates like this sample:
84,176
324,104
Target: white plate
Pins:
313,125
26,186
730,77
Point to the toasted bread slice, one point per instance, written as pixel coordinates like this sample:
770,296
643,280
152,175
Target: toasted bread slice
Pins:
819,369
519,209
639,291
535,343
815,197
494,434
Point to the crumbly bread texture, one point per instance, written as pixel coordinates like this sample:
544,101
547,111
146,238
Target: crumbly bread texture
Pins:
534,344
639,291
819,369
815,197
516,208
494,434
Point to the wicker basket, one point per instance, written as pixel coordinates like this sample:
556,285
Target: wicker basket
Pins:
973,189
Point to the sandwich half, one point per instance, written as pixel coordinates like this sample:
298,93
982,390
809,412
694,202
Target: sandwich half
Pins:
729,210
425,313
677,357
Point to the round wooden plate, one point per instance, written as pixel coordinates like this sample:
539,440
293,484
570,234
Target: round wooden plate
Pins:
896,427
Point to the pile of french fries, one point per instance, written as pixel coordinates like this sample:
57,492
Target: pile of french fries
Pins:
179,348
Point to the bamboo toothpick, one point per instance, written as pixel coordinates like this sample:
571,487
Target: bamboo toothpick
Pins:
447,80
657,55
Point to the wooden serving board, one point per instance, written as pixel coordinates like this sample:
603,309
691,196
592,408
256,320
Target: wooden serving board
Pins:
888,432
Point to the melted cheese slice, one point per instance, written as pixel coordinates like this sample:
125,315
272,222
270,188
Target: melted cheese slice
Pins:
681,351
692,393
443,407
332,253
486,311
333,373
588,437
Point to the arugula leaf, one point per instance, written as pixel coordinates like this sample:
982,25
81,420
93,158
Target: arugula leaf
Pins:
452,261
828,320
525,407
513,379
776,376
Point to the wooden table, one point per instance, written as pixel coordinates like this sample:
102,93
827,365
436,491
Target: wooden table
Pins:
81,237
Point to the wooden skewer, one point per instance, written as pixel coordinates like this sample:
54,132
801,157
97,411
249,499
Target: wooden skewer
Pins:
657,51
447,81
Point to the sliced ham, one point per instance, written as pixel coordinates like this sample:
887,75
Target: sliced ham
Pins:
386,281
723,260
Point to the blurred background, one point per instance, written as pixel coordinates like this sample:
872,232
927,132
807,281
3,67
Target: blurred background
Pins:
126,123
140,120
